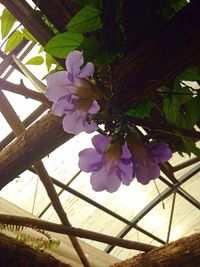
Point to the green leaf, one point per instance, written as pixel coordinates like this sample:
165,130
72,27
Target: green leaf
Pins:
182,94
171,7
103,57
192,74
93,51
193,112
171,109
13,41
28,36
90,47
7,22
93,3
49,61
88,19
61,44
35,61
142,109
190,146
41,49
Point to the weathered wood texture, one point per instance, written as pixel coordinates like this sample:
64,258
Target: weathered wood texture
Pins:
175,48
58,8
29,120
23,90
167,53
184,252
28,17
14,253
37,142
8,60
24,13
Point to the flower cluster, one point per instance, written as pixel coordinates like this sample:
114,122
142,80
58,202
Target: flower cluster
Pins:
113,164
117,157
74,95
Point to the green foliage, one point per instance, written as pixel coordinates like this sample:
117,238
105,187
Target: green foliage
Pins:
171,110
28,35
41,49
90,47
176,114
35,61
182,94
192,74
171,7
93,3
61,44
181,109
88,19
49,24
7,22
38,243
14,40
49,61
142,109
189,146
93,51
193,111
104,57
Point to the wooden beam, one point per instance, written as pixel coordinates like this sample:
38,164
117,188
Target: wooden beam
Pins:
184,252
23,12
7,59
73,231
29,120
145,70
15,253
58,9
167,53
38,141
21,89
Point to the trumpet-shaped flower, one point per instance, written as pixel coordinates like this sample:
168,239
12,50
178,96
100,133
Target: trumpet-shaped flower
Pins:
109,163
73,95
145,160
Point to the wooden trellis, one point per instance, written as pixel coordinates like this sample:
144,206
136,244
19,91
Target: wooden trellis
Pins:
144,72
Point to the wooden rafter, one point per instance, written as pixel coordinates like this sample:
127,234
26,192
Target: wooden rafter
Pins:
184,252
18,129
15,253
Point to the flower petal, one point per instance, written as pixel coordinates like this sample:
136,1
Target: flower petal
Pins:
100,142
73,123
125,172
125,152
89,160
73,62
89,127
160,152
146,172
87,71
94,107
58,108
101,181
57,85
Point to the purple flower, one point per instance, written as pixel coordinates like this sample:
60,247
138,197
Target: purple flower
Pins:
145,160
109,163
73,95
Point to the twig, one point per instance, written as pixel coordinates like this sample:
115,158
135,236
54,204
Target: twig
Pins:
23,90
73,231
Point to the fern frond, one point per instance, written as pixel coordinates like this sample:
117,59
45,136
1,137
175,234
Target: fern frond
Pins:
38,243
